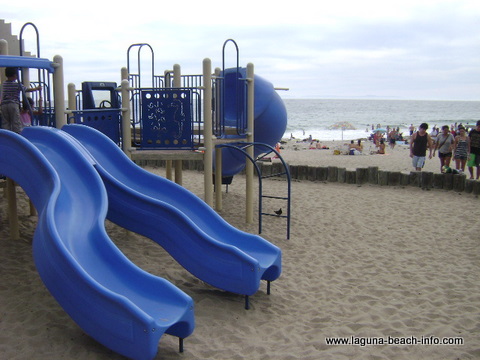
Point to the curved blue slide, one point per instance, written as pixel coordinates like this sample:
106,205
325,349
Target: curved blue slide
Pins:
111,299
270,116
182,223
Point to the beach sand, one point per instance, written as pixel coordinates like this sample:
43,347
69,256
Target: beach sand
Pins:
396,159
363,261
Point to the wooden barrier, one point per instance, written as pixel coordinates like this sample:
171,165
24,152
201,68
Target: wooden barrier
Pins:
362,176
371,175
332,174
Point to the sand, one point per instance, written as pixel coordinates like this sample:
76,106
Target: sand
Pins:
396,159
362,261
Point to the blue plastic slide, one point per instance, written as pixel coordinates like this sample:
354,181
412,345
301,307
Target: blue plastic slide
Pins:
111,299
182,223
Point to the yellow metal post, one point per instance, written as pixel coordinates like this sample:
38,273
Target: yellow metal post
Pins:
207,131
126,129
59,92
218,180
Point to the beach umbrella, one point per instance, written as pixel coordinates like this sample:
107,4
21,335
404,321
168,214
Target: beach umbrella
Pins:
380,130
344,125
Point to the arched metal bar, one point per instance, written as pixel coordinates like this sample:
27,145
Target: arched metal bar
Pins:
242,146
140,46
43,79
236,94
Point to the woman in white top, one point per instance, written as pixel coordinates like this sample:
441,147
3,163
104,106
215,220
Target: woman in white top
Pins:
444,145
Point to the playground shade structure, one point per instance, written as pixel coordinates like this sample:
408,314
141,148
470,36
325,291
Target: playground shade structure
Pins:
110,298
182,223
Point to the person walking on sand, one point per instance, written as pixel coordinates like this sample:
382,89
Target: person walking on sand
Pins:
444,146
461,148
474,159
420,142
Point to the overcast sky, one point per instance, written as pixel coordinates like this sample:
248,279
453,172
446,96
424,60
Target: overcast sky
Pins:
409,49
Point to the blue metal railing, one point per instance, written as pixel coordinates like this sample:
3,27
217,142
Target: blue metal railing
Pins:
231,92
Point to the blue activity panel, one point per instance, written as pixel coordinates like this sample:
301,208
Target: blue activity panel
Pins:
167,119
107,121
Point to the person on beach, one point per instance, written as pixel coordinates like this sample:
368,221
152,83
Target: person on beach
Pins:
461,148
381,147
355,149
411,129
444,146
419,143
359,145
434,133
392,138
10,100
351,148
474,159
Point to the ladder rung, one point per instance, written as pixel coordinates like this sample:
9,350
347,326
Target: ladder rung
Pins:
275,215
275,197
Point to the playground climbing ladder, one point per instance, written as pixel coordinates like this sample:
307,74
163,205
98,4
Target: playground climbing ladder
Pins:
242,146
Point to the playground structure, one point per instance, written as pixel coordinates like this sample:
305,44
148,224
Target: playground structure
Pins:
228,136
174,120
64,263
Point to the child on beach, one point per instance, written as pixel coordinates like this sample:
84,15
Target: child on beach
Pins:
10,100
461,148
27,110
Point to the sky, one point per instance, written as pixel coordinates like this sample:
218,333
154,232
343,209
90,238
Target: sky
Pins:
409,49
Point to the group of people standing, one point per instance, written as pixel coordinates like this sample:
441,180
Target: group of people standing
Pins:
462,147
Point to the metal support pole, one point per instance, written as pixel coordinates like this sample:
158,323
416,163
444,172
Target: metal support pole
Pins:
250,139
10,191
177,83
168,169
177,76
178,172
72,103
207,131
218,179
124,73
59,92
126,129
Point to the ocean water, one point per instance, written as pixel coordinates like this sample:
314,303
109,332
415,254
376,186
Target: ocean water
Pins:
315,116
